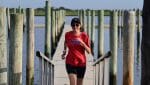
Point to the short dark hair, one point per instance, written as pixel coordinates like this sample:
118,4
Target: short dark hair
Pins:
75,20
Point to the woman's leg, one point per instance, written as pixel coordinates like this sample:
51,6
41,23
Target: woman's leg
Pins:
80,75
79,81
72,78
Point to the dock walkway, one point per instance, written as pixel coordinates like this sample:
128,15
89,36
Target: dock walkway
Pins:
60,75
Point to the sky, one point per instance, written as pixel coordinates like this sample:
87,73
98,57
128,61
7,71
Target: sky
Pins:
75,4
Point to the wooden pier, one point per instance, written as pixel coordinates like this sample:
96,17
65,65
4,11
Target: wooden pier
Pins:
103,71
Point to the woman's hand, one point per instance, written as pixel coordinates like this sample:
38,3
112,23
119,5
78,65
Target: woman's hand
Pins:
63,55
81,42
88,49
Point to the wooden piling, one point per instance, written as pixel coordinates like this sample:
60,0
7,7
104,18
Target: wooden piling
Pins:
47,51
53,31
138,35
3,47
100,33
56,26
92,25
80,16
119,27
83,18
15,54
30,47
113,46
128,48
122,25
8,18
88,23
100,45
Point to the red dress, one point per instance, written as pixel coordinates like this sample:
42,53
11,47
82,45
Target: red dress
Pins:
76,55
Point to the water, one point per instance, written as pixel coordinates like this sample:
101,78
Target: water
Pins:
39,45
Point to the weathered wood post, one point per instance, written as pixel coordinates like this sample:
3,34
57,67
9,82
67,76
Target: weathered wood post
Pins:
113,46
15,54
8,18
3,47
47,51
88,23
59,22
128,48
122,25
138,35
92,25
83,19
80,16
53,30
100,33
119,27
101,44
30,47
56,27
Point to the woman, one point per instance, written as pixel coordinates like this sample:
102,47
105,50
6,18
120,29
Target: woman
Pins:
77,42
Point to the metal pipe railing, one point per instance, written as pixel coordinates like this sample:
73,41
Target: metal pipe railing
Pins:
102,69
47,69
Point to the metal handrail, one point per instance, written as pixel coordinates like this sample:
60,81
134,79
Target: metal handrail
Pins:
47,69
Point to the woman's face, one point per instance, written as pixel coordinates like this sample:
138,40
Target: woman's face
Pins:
76,26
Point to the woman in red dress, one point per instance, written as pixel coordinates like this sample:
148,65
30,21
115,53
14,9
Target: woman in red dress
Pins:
77,43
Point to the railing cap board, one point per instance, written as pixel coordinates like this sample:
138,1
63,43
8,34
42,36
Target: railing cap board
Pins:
41,55
107,55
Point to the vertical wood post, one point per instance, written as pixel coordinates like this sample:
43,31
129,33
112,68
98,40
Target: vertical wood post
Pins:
122,24
47,51
128,48
100,45
56,26
92,24
100,33
8,18
119,27
138,35
53,30
88,23
83,18
15,54
3,47
113,46
30,47
80,16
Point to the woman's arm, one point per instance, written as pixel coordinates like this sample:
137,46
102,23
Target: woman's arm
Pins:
64,51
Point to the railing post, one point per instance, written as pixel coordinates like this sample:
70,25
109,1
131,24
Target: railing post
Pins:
30,46
47,51
53,21
100,44
15,54
128,48
113,46
100,33
3,47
